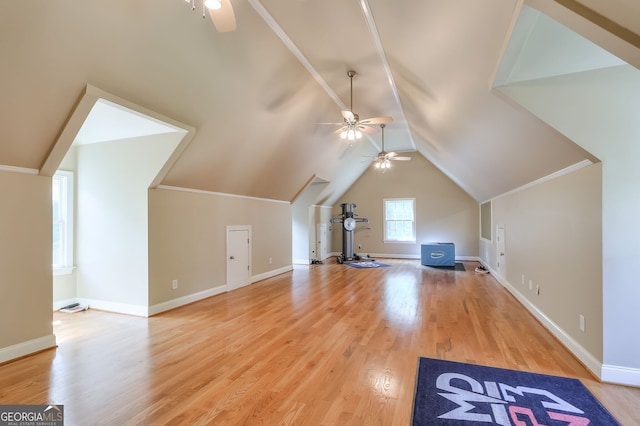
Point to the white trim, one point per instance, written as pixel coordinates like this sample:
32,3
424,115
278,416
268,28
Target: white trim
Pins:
554,175
67,196
120,308
415,256
59,304
222,194
13,169
413,221
268,19
247,281
185,300
377,42
64,270
620,375
273,273
591,362
301,261
27,348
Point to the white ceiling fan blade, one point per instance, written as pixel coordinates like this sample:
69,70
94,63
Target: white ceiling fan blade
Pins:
224,19
376,120
400,158
367,129
348,115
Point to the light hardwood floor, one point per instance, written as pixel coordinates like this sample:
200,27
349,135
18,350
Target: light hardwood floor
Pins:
324,344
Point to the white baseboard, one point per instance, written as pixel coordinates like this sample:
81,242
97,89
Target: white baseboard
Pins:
591,362
28,347
62,303
414,256
272,273
120,308
185,300
620,375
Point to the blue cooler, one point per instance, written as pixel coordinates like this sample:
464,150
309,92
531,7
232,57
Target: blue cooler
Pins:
438,254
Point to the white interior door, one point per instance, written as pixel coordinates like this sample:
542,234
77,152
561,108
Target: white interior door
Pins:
238,256
500,250
321,247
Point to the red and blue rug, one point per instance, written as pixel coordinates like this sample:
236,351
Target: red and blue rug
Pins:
457,394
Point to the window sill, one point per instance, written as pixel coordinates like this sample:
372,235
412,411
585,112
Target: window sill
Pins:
65,270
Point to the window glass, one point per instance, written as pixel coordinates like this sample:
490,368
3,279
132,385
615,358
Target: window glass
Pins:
62,213
399,219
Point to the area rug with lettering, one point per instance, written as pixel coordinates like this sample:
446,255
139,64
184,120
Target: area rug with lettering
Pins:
367,264
453,393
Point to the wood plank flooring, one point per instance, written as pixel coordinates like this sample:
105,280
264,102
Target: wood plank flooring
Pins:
322,345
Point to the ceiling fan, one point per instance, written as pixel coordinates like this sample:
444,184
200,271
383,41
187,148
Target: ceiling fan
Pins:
220,11
352,127
382,161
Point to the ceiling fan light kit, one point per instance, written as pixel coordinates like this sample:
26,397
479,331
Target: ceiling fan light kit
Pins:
213,4
220,11
352,127
382,161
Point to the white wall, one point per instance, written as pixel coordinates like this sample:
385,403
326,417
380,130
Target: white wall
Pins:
112,220
305,218
600,111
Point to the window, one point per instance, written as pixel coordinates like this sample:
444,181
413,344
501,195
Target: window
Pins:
62,202
399,220
485,220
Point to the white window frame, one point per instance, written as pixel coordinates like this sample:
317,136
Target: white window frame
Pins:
66,211
387,238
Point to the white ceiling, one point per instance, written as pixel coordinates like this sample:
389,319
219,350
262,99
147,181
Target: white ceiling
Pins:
256,95
108,122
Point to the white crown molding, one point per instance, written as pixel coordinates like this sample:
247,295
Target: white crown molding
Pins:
554,175
222,194
13,169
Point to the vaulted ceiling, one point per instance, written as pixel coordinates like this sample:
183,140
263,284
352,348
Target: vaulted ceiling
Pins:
259,97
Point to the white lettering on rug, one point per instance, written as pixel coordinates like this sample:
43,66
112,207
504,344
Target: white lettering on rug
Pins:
498,403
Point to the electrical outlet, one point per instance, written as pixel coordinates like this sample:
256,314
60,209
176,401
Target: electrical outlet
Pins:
270,260
522,279
582,323
174,284
530,284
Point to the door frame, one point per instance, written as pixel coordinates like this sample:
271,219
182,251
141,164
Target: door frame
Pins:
321,240
231,285
500,250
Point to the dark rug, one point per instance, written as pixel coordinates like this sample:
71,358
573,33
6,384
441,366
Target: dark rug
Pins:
458,267
367,264
453,393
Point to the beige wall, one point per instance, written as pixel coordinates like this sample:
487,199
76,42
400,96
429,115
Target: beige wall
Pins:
187,239
553,237
445,213
25,260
